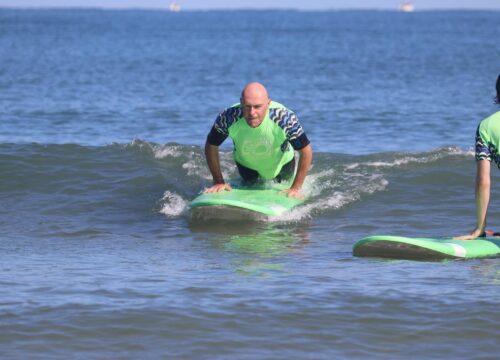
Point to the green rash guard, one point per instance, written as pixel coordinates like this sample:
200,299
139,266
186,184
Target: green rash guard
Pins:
265,148
488,139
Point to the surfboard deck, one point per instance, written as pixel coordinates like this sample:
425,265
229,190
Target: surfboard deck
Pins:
398,247
265,201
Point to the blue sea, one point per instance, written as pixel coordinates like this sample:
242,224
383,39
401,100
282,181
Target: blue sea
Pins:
103,117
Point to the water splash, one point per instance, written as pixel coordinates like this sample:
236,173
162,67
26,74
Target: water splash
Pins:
173,204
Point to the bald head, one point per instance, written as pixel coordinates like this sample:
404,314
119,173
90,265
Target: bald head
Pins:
254,103
254,89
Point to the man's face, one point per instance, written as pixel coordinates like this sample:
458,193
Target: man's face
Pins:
254,108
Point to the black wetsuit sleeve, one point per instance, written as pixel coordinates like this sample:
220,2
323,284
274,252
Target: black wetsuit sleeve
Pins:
300,142
215,137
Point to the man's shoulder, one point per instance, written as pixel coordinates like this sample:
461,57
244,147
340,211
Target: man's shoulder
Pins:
233,112
492,120
281,115
493,117
489,128
274,105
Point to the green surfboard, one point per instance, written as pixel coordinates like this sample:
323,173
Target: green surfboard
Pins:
398,247
264,201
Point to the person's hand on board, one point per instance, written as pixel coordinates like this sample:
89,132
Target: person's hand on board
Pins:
472,236
217,188
293,193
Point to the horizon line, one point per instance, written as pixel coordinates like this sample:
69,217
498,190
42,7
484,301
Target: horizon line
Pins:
166,9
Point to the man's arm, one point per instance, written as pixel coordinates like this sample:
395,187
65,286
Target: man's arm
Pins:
305,160
483,181
213,161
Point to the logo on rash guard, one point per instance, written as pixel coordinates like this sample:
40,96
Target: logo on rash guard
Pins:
259,148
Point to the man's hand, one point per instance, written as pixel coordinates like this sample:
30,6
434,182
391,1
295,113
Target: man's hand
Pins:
472,236
293,193
217,188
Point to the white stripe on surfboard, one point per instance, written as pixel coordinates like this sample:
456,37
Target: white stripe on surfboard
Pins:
459,250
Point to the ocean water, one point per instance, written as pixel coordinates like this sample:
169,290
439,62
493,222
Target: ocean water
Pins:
103,116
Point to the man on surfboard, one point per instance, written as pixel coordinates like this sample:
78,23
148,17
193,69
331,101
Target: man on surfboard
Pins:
487,149
265,135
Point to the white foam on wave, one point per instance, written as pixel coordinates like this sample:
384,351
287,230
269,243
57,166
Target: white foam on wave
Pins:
195,163
193,168
325,181
164,151
431,157
172,204
365,185
316,183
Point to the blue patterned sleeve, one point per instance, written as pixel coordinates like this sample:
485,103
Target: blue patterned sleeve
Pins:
220,129
289,122
482,150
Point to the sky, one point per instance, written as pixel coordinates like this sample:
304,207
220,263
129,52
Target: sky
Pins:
262,4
